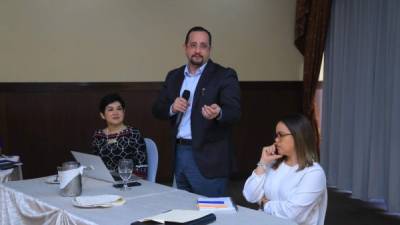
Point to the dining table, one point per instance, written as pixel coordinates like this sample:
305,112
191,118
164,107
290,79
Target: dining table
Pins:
37,201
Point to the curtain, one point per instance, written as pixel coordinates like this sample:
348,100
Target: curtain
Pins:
312,18
361,103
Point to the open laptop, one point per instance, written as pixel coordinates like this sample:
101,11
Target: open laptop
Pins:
98,168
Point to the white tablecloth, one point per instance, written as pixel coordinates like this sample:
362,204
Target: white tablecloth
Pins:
36,202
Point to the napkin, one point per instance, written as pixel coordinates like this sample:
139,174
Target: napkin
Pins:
98,200
66,176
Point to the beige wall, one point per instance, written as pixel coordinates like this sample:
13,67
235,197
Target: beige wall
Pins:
140,40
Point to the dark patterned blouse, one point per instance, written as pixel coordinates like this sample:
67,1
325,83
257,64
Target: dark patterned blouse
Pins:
128,144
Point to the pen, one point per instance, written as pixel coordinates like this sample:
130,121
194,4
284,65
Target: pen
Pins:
211,202
211,206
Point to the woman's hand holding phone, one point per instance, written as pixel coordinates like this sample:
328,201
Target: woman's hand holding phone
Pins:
268,155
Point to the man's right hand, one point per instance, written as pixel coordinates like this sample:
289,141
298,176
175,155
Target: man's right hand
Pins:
180,105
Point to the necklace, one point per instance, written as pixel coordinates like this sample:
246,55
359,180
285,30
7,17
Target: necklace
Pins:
112,140
113,137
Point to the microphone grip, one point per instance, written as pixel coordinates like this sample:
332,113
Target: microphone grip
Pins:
179,118
185,95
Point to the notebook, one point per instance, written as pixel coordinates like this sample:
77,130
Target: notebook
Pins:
216,204
98,169
178,216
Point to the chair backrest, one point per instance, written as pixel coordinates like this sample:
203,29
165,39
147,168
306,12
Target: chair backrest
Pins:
4,175
152,159
174,183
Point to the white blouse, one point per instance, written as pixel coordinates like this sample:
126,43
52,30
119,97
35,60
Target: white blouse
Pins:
300,196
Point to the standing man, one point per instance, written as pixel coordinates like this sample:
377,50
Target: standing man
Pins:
203,120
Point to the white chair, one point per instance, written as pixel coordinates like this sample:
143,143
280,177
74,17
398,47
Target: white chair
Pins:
4,175
152,159
11,174
174,185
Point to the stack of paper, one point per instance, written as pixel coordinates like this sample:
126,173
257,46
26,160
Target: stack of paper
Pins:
216,204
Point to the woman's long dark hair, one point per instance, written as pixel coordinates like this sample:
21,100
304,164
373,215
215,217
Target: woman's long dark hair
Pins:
304,140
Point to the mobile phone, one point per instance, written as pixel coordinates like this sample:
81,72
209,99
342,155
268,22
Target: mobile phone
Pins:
130,184
276,150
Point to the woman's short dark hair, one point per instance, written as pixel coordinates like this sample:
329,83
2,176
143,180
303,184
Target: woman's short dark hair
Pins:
304,140
108,99
198,28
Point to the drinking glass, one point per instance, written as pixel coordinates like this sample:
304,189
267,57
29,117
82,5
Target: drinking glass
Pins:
125,168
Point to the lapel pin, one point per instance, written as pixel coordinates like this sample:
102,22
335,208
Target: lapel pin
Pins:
203,91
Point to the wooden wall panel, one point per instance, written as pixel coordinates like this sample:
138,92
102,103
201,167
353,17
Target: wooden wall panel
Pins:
263,103
42,122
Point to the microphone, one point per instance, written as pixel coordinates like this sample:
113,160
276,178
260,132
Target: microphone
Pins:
185,95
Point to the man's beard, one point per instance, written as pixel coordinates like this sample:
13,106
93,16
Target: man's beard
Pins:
197,63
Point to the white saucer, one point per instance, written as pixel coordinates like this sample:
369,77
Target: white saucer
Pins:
117,202
76,204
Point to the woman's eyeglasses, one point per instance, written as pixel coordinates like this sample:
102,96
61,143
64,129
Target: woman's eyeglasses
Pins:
281,135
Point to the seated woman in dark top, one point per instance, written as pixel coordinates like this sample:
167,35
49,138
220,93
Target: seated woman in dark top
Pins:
119,141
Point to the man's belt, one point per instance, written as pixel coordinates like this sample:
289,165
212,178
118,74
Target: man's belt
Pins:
181,141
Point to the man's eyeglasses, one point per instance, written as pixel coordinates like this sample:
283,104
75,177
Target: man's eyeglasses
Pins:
202,46
281,135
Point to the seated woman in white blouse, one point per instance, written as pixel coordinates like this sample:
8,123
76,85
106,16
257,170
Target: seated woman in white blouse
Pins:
288,182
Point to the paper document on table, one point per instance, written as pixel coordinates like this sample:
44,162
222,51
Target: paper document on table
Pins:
217,204
178,216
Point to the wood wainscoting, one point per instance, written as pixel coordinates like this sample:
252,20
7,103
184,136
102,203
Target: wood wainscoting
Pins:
43,122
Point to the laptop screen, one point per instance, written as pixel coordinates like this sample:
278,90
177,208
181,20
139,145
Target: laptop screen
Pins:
99,170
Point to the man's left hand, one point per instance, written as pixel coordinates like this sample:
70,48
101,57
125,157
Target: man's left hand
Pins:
210,112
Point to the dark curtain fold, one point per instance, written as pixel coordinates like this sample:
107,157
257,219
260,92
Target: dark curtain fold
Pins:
312,19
